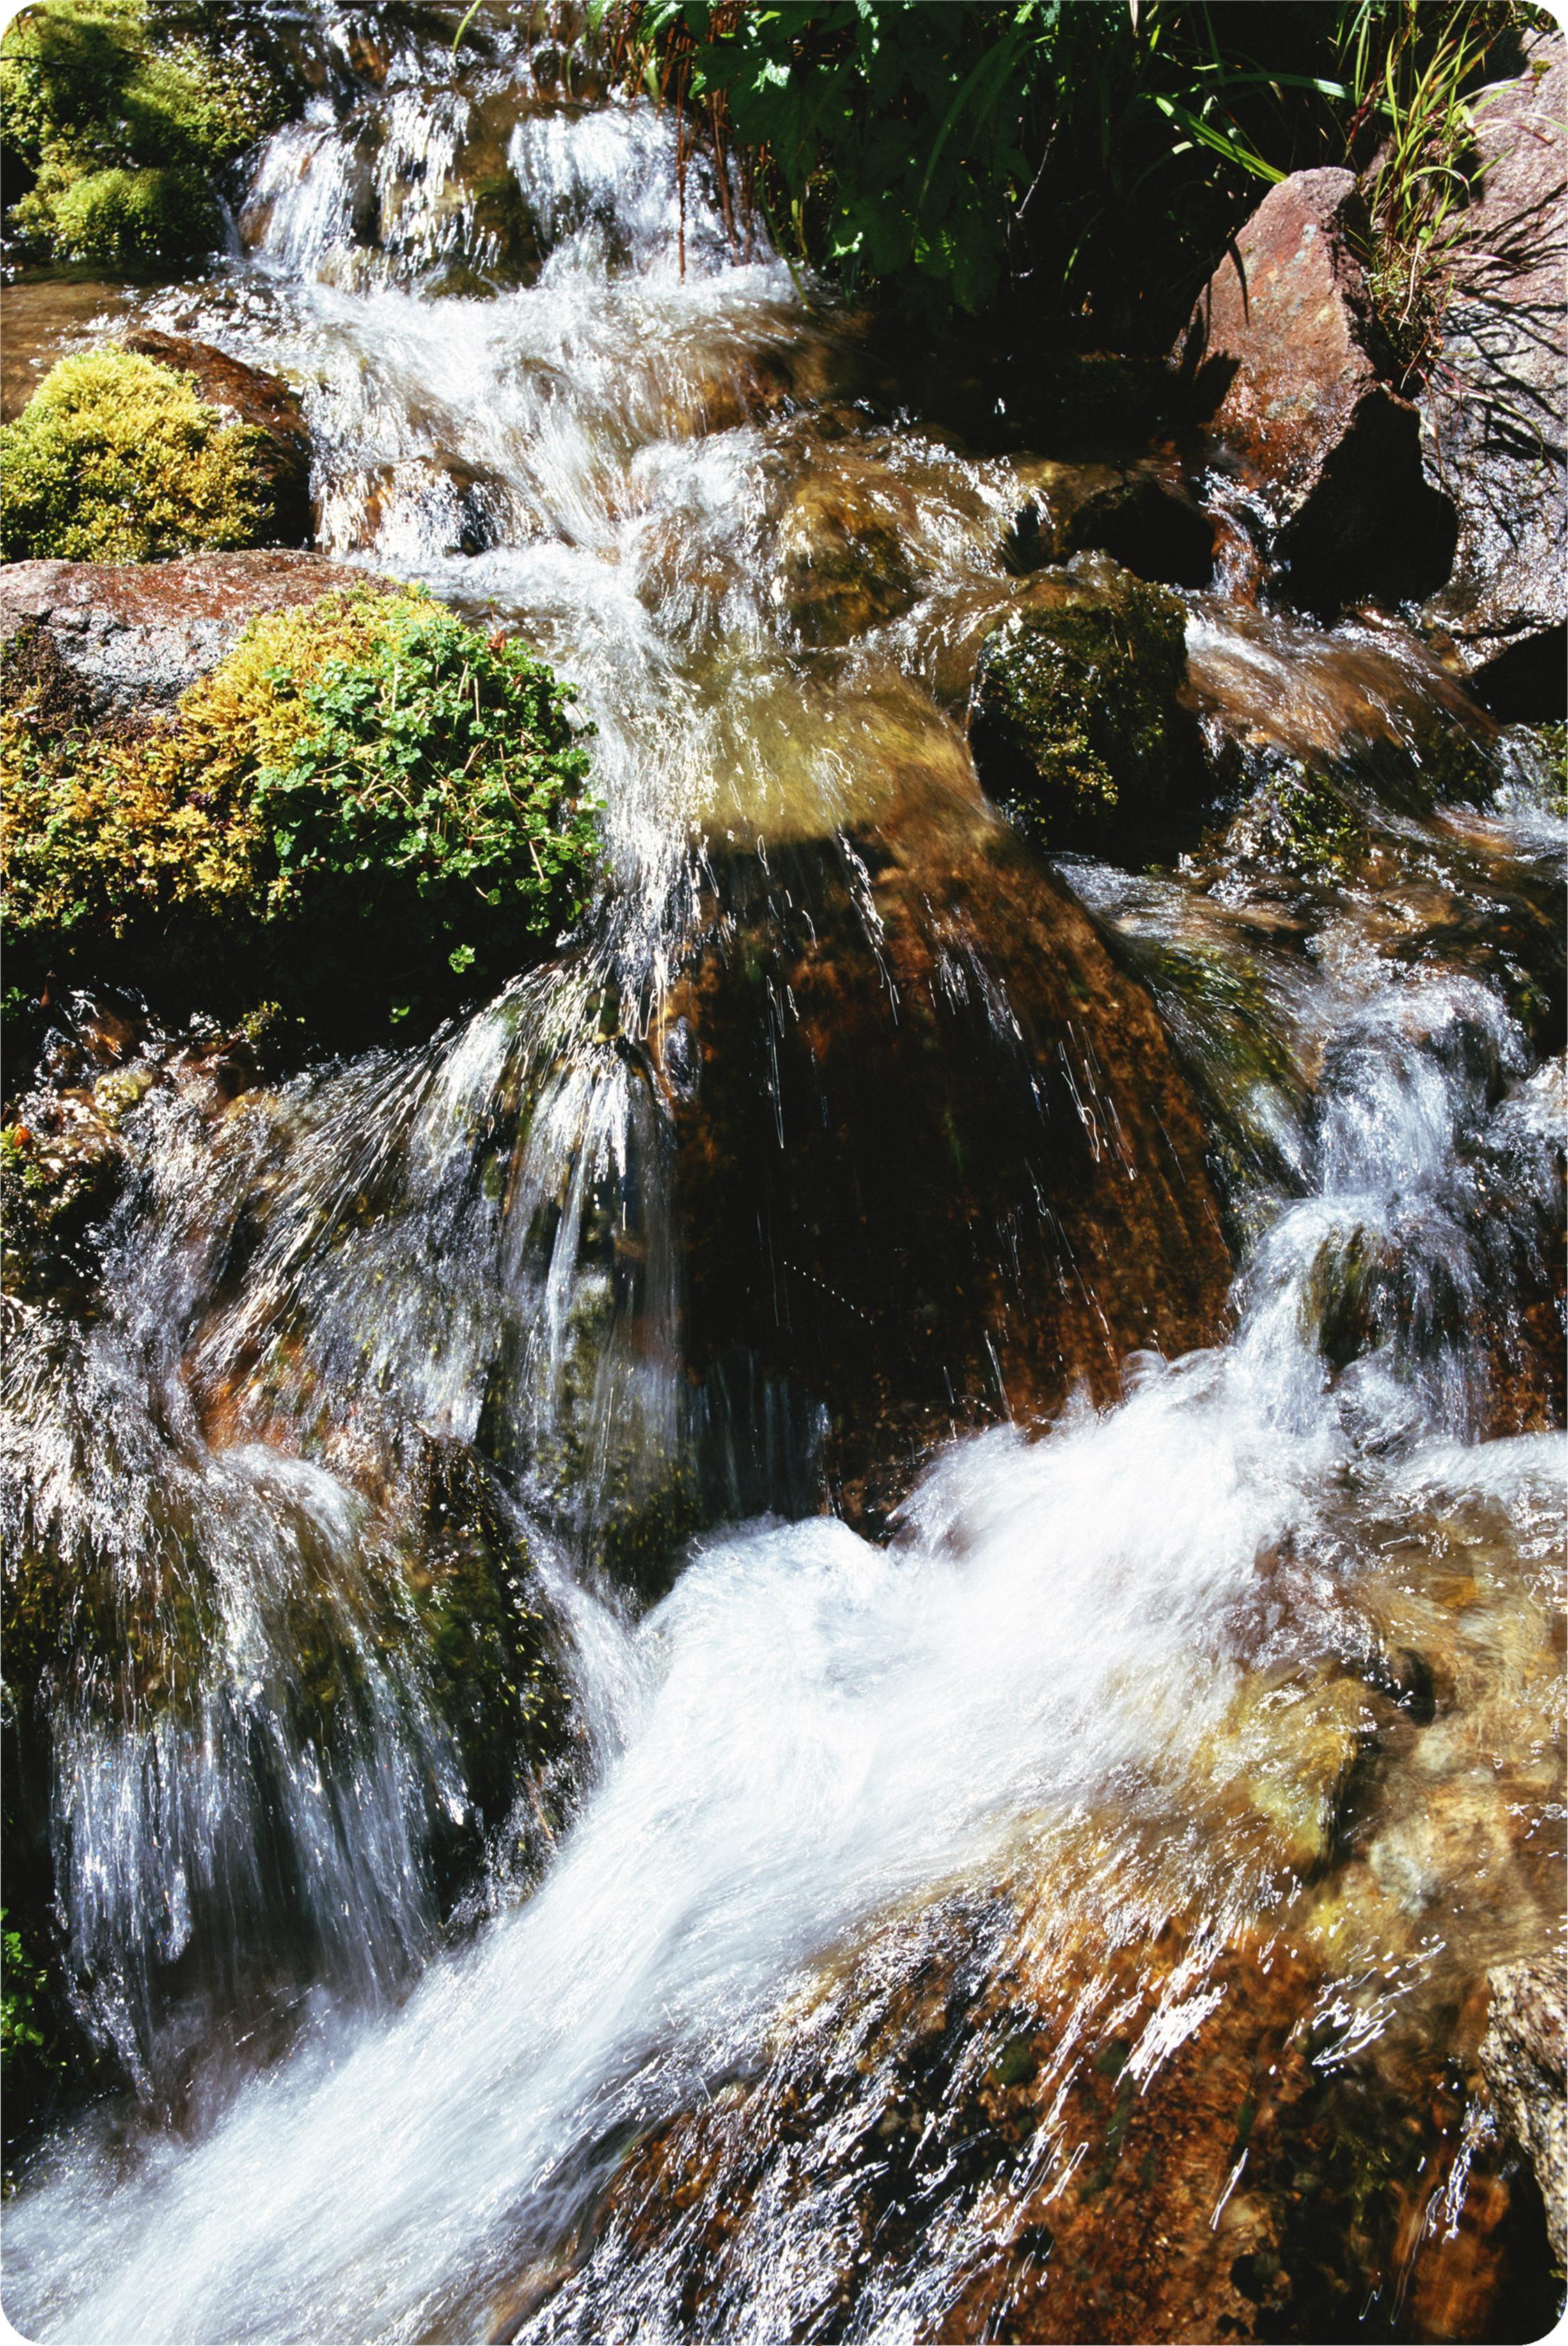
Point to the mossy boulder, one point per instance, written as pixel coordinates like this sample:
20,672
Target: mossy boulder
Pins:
1078,720
266,407
120,125
117,458
364,812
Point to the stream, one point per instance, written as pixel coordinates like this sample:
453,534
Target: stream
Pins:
1267,1652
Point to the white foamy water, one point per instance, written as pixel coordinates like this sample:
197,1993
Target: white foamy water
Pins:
808,1727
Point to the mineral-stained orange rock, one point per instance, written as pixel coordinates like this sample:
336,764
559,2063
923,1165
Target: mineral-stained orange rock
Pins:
936,1161
977,2131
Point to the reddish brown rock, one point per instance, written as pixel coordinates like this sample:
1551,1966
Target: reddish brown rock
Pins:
966,2138
1493,406
136,634
265,405
932,1145
1282,353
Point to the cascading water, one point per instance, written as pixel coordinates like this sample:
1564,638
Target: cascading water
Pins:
445,1286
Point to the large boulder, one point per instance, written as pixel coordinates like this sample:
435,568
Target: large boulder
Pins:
1493,409
133,636
1281,355
265,405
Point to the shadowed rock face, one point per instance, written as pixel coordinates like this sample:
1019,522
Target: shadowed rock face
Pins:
1282,352
1493,407
136,635
932,1146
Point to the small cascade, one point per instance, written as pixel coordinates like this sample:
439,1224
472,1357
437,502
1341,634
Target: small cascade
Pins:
886,1373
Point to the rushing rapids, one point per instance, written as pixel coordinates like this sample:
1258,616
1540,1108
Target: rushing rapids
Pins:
597,2022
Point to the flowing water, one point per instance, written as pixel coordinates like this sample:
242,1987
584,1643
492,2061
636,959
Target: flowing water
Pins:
450,1283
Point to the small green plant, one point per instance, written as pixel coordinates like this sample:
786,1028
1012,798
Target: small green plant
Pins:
120,124
1412,73
368,807
21,1988
116,459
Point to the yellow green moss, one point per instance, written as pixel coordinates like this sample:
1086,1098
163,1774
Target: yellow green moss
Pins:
121,128
117,459
367,807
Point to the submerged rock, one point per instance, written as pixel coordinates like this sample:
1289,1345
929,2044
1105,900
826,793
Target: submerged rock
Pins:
1143,514
987,2127
1492,408
1283,360
935,1161
138,635
1076,718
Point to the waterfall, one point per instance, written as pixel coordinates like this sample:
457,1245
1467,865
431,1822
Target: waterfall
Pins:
442,1293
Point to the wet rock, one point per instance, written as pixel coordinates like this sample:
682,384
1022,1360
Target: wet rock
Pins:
136,635
843,553
1077,719
1282,359
971,2136
1493,406
1142,514
424,501
930,1144
1291,1751
1524,2058
265,405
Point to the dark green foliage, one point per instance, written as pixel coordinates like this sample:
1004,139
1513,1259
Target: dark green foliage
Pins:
120,122
1093,154
21,1982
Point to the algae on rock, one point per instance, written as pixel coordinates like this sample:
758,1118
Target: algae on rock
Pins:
1077,719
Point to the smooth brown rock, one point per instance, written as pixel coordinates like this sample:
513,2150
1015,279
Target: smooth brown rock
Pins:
1281,356
136,634
932,1145
1493,408
265,405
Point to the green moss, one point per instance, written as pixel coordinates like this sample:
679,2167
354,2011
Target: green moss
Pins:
368,811
116,459
1077,724
1301,821
121,218
122,131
